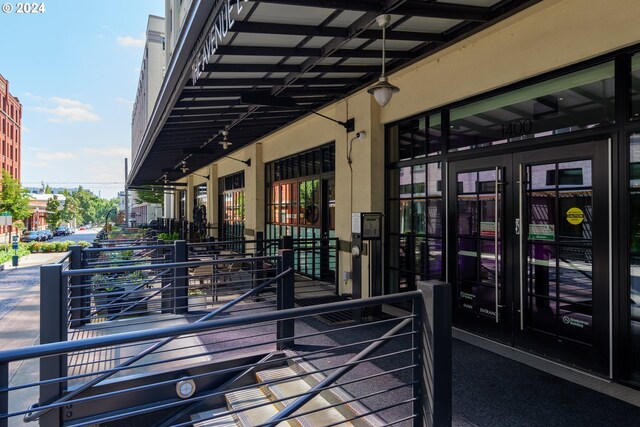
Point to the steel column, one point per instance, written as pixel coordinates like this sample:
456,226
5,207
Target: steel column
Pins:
53,328
180,279
285,299
435,346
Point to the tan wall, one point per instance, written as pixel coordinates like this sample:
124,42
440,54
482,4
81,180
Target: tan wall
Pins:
547,36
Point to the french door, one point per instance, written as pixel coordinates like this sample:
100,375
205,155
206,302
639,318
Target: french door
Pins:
530,251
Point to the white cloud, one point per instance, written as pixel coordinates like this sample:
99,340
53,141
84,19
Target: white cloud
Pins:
54,156
124,101
69,110
129,41
112,151
25,129
32,164
32,96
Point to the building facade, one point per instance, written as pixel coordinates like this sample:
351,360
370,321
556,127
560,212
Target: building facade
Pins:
506,164
10,129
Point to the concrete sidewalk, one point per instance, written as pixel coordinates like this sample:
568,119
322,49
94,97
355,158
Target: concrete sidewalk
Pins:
20,322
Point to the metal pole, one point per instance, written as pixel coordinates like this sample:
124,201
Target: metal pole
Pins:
180,279
4,395
80,294
53,315
435,346
126,193
285,299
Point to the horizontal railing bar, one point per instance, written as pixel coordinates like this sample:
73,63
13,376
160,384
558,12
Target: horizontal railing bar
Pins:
51,349
337,374
126,248
64,257
341,403
90,271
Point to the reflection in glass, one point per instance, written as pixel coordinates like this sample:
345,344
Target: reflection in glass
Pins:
579,100
635,87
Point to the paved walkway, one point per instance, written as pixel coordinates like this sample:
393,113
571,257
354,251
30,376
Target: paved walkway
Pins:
20,321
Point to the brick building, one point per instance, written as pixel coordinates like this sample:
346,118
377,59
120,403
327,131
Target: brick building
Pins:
10,133
10,129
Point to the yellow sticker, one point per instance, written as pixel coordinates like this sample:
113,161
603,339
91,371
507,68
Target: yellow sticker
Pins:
575,216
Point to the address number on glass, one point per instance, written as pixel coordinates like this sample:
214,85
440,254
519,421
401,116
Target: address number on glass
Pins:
517,128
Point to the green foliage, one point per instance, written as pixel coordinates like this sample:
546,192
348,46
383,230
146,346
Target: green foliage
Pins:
63,246
14,198
154,195
168,236
54,214
84,207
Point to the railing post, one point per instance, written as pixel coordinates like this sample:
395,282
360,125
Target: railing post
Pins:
285,299
80,294
435,333
53,328
4,395
180,279
259,252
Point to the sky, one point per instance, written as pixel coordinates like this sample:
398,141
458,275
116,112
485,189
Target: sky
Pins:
75,68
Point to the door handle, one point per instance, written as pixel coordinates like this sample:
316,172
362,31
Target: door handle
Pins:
495,240
520,264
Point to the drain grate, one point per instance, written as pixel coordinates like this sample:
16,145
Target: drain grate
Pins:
344,316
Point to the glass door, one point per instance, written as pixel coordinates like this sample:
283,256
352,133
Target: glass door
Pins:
530,251
564,255
478,190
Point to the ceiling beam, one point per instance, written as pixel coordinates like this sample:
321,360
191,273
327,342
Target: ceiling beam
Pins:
282,68
307,52
309,30
413,8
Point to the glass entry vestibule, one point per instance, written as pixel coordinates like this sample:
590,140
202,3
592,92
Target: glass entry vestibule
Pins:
529,251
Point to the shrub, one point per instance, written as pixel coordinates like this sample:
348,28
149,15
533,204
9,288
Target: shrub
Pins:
168,236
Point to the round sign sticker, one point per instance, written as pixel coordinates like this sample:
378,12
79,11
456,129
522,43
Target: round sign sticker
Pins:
575,216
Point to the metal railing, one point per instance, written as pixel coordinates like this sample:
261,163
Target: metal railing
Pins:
316,258
391,371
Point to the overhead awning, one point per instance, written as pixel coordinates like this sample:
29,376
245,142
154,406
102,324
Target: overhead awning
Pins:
252,67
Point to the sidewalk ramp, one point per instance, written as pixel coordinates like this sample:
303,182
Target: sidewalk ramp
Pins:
277,388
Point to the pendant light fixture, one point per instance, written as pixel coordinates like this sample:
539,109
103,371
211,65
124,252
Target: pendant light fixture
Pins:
225,140
383,90
183,166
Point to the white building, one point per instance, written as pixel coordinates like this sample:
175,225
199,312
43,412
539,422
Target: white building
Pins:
151,75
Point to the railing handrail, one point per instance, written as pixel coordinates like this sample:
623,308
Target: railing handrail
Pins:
37,414
90,271
57,348
64,258
126,248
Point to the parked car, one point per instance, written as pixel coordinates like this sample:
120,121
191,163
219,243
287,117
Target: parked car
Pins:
62,230
48,234
31,236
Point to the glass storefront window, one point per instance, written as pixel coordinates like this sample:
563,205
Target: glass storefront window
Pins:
635,87
415,223
580,100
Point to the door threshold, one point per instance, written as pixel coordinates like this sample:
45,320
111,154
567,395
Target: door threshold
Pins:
568,373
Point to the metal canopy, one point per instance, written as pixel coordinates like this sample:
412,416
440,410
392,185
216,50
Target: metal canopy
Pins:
307,53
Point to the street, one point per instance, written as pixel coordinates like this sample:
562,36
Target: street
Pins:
79,235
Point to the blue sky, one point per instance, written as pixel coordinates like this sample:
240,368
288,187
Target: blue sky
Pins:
75,69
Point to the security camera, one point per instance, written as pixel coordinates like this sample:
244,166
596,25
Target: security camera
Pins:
360,136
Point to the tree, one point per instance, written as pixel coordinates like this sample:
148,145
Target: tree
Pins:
154,195
47,189
54,213
13,198
71,210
